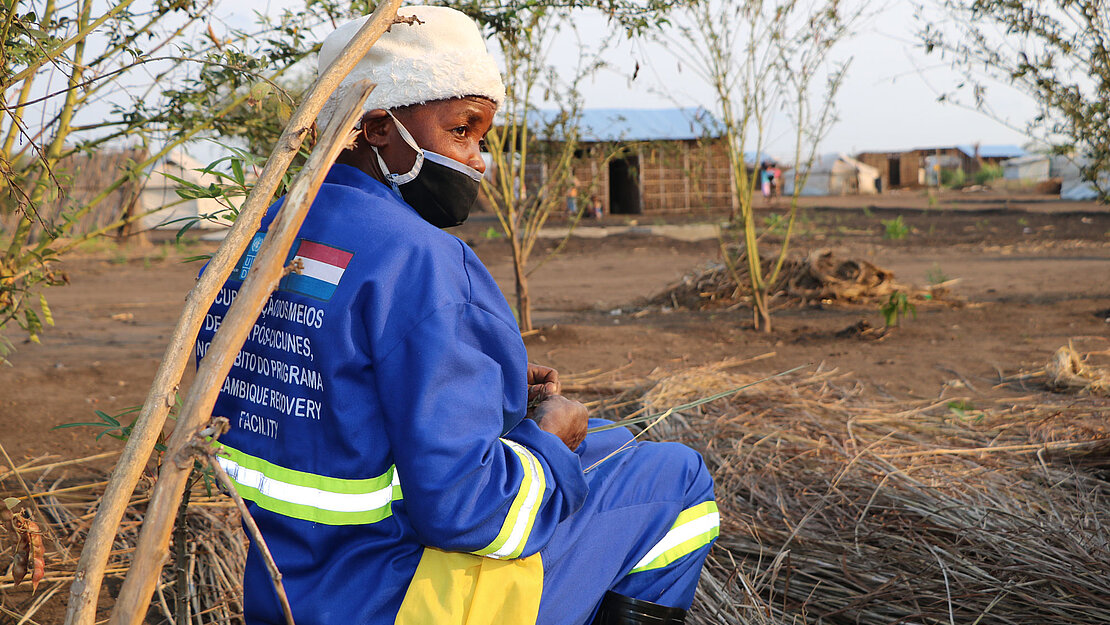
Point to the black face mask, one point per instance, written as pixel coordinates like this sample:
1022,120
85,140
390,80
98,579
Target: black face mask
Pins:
441,189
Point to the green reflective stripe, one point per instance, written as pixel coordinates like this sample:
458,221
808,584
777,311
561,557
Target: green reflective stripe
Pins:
310,497
689,514
311,480
682,550
694,528
512,538
309,513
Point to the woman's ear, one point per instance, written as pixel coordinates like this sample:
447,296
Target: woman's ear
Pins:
376,125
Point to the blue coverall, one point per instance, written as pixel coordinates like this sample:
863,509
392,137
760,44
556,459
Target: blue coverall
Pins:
378,407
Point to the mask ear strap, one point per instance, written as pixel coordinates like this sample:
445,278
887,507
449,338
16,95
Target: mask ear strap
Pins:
399,179
381,162
405,133
385,169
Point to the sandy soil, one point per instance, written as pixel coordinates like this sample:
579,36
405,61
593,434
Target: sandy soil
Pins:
1030,282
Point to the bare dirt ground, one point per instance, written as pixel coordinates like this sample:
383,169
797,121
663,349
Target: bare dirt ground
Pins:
1029,283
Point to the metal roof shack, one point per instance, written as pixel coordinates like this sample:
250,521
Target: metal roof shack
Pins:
992,152
638,161
920,167
672,124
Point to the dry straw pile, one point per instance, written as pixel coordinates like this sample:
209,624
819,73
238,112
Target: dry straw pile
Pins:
836,508
1070,370
842,509
210,540
818,277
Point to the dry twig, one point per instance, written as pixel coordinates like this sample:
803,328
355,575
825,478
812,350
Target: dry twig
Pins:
838,508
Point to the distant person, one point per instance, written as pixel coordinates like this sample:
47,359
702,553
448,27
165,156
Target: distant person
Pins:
765,180
572,198
597,209
776,180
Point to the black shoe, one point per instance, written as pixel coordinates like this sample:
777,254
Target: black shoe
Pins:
617,609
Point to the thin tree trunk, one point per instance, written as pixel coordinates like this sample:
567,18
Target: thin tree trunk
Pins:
180,540
761,310
523,301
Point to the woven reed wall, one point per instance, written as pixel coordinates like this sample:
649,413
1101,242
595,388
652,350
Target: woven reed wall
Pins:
82,177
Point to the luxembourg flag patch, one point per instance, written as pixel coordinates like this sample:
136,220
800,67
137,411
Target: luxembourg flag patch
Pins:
323,267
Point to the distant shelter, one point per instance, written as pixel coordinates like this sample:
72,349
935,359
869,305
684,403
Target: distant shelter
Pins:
148,201
663,161
82,177
836,174
921,167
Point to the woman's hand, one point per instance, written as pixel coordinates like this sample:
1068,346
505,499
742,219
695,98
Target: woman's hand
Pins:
564,418
543,382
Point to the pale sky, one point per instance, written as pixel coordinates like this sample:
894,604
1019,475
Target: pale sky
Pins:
888,102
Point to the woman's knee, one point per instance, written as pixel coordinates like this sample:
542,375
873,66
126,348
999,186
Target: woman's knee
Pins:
685,464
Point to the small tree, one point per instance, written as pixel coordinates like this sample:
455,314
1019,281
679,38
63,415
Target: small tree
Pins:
531,171
1055,51
532,150
760,58
149,76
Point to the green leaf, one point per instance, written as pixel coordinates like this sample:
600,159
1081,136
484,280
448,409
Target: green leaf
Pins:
189,224
46,314
31,322
960,407
95,424
107,418
237,169
179,180
261,90
284,112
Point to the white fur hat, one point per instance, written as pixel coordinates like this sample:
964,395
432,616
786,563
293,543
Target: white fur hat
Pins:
443,56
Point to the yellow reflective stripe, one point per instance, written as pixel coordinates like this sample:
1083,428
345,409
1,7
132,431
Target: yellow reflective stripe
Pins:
512,538
307,496
694,528
531,508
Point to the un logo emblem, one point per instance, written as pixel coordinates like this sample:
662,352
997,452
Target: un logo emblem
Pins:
256,243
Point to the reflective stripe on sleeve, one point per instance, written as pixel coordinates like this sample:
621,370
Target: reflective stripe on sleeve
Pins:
694,528
518,523
307,496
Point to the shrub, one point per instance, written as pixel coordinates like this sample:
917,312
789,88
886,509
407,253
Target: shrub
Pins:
988,173
895,229
896,308
952,178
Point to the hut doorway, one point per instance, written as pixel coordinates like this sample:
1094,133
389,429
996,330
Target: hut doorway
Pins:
624,186
894,165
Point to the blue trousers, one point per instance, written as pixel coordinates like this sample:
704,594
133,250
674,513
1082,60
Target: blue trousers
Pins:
635,498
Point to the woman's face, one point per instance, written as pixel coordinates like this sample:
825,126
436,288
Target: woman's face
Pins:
454,128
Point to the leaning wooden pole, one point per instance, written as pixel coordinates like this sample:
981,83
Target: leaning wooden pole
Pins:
85,589
266,272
